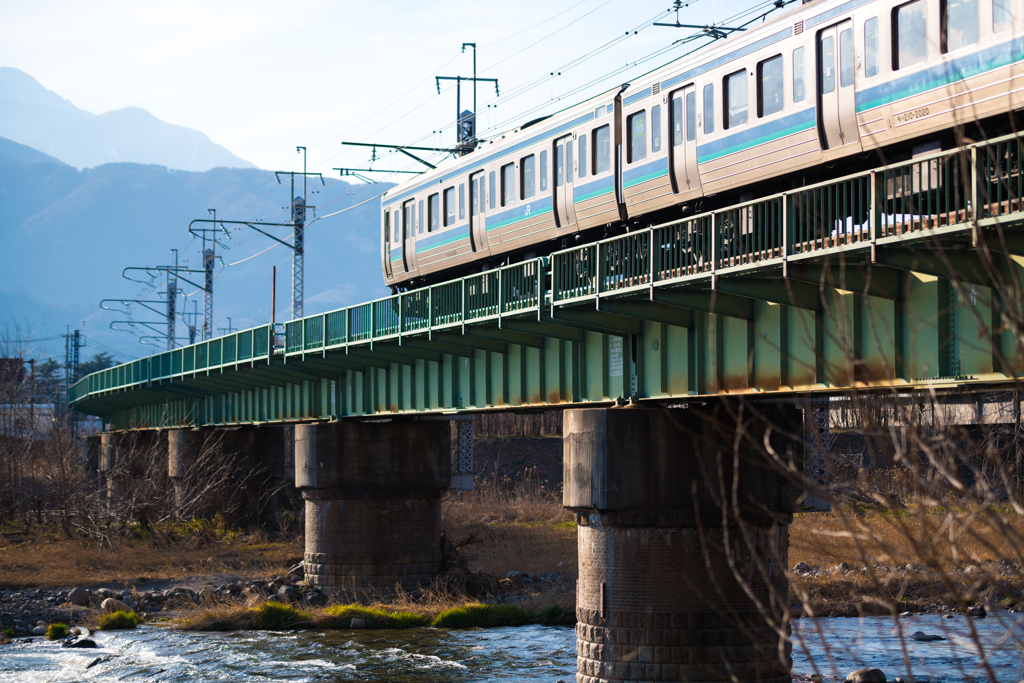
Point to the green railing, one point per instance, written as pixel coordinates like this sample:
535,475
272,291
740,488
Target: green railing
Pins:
941,190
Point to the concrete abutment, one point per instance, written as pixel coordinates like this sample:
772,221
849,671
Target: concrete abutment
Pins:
372,492
683,542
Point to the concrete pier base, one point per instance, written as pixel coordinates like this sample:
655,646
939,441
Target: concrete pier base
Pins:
183,447
683,544
372,492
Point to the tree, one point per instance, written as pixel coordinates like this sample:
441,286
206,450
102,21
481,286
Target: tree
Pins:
99,361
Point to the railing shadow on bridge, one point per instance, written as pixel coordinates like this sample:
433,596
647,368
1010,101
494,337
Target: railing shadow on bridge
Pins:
947,200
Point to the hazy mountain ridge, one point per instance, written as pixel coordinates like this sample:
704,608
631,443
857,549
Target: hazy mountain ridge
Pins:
34,116
68,234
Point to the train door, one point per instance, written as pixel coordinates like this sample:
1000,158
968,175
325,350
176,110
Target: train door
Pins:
409,235
837,113
387,245
477,212
565,210
683,152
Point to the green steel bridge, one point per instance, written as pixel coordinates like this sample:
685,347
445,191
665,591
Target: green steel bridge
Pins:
900,278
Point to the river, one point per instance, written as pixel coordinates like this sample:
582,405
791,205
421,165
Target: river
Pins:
832,647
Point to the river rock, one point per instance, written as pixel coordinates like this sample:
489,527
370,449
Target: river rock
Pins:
39,631
111,605
78,596
207,596
976,611
104,593
81,642
925,637
288,594
803,568
357,623
865,676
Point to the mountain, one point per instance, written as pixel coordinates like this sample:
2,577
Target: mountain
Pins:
12,151
34,116
67,234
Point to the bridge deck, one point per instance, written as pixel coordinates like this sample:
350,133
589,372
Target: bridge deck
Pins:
905,276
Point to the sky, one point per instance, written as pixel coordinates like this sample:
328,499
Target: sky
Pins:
261,77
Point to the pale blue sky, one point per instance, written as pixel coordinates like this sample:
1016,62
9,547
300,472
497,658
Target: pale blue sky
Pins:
261,77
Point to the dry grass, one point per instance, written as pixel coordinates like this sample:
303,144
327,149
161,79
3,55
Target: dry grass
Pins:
915,558
509,525
41,556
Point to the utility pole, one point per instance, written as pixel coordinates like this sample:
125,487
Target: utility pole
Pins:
172,301
299,207
169,304
209,256
229,329
466,120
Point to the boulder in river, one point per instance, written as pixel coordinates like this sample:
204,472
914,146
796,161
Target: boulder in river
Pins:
111,605
976,611
81,642
925,637
78,596
357,623
865,676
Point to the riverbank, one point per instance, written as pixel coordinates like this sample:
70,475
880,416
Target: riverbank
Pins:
501,543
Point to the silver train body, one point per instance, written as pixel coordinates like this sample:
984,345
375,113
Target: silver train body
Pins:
820,83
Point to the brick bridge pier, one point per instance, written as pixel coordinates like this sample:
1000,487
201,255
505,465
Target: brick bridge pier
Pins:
683,541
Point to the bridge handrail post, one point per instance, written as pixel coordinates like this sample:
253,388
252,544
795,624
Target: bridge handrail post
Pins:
501,298
462,312
785,234
975,227
401,315
430,308
650,256
874,216
714,249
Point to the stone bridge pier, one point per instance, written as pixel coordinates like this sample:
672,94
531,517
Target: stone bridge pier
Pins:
372,491
683,541
123,456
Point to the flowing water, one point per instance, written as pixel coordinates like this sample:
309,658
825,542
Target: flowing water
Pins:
833,647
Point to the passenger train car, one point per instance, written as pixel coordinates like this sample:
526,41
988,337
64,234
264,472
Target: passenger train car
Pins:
815,88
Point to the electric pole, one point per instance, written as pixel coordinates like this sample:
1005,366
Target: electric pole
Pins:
229,329
209,256
298,245
466,120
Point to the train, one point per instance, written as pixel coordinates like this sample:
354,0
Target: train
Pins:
821,90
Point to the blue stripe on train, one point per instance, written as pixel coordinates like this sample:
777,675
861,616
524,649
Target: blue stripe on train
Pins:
443,238
582,193
758,135
530,209
942,75
639,174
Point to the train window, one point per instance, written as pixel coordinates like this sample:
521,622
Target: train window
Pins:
583,156
602,149
828,61
798,75
677,121
568,161
599,112
462,201
433,213
871,47
508,184
408,218
735,99
543,171
656,128
959,24
691,116
387,225
421,218
559,166
637,127
449,206
769,86
709,109
491,186
910,34
846,58
528,181
1000,15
